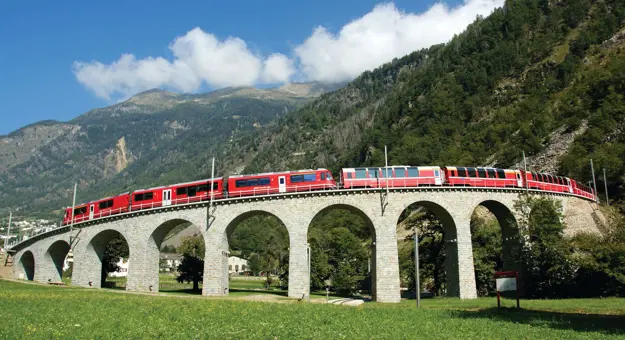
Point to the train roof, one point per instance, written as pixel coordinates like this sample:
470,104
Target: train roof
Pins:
178,184
391,167
278,173
96,201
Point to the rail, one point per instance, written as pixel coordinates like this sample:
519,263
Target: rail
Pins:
218,197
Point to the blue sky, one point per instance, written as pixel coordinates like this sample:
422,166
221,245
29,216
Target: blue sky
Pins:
62,58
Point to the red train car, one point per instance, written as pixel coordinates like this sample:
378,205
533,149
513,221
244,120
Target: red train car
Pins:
482,177
96,209
399,176
177,194
547,182
278,182
580,189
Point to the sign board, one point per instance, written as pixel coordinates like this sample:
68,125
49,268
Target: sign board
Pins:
507,281
506,284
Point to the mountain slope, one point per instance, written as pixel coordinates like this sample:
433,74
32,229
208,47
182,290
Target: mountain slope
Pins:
154,138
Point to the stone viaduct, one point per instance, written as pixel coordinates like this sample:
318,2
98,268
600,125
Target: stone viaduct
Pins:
41,258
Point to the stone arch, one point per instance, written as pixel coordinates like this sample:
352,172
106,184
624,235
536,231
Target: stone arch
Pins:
450,233
232,225
27,266
91,259
55,258
357,211
509,231
152,251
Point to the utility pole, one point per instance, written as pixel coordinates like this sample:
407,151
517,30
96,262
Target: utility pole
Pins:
309,278
525,174
386,166
210,204
605,183
71,226
416,267
594,183
8,231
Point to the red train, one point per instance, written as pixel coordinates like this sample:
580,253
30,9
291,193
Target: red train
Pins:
396,176
279,182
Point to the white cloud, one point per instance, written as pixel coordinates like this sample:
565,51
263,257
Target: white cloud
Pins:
380,36
363,44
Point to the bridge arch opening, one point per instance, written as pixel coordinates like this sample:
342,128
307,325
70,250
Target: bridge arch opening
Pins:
438,252
258,243
342,241
112,258
55,258
27,266
164,254
496,243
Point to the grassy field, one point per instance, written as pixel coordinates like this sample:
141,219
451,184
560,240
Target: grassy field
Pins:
35,311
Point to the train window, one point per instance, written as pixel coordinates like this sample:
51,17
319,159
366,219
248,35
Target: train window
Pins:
361,173
191,191
181,191
500,173
148,196
297,178
385,171
202,187
263,181
413,172
215,185
323,176
491,173
329,176
400,172
79,211
462,172
309,178
105,204
471,172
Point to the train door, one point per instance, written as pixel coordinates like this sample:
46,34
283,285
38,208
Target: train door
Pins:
91,209
166,197
519,180
282,184
437,177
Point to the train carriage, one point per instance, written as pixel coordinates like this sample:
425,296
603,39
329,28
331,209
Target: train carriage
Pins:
482,177
181,193
96,209
396,176
280,182
582,190
546,182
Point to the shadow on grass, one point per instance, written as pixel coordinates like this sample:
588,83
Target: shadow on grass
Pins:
189,291
273,292
610,324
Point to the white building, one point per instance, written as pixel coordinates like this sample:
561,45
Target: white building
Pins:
123,269
237,265
169,262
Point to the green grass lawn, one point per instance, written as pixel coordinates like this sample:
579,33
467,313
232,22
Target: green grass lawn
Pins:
36,311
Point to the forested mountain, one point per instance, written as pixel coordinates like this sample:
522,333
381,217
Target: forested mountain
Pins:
544,77
154,138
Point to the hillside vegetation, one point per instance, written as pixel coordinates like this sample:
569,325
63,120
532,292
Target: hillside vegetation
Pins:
535,75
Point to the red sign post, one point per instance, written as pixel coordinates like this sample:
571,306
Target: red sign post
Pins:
507,281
